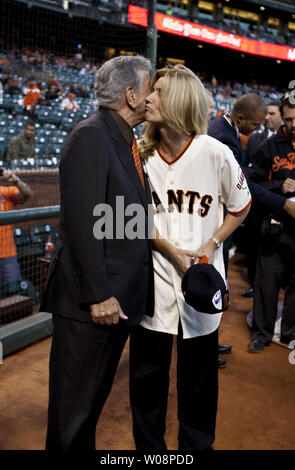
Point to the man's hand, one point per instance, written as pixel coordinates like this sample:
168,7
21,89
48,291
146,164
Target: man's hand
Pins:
108,312
289,207
181,259
288,186
9,176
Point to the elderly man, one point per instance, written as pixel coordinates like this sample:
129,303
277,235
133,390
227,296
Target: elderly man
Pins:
100,284
23,145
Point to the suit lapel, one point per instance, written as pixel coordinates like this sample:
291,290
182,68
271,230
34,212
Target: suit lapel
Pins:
125,156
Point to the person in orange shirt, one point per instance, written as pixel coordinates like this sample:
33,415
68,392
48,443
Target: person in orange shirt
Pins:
10,196
244,140
31,97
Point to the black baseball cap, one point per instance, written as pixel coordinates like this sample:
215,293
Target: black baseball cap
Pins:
204,289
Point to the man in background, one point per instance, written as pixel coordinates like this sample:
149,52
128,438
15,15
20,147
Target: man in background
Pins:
273,121
23,145
274,168
17,193
246,116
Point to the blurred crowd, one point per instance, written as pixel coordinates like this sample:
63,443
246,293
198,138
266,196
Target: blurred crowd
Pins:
43,89
37,77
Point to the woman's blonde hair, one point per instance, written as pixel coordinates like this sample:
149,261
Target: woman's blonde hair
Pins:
183,106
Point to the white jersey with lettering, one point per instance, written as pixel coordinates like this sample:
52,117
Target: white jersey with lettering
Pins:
188,198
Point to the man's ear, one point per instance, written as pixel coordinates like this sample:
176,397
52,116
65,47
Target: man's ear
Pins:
240,118
130,96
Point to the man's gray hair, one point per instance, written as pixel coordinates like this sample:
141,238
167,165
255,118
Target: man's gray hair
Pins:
117,74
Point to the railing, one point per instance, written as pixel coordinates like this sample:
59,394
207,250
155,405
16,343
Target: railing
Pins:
23,215
21,324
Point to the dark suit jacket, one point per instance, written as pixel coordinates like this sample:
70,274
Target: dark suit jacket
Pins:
222,130
96,167
253,143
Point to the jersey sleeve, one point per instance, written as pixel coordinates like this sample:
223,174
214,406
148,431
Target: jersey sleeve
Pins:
234,190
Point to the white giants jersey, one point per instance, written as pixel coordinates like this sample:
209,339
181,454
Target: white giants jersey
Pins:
188,197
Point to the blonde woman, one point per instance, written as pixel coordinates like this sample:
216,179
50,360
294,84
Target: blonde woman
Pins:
191,176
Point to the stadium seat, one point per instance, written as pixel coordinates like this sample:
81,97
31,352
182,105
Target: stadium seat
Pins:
23,164
67,123
18,108
22,287
3,146
12,132
41,150
41,139
56,117
49,127
39,235
9,288
7,102
43,115
3,164
21,238
22,241
20,125
47,163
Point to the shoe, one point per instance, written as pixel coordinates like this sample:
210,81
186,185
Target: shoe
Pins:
221,363
257,346
248,292
224,348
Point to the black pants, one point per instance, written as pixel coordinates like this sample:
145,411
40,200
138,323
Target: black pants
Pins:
197,387
275,268
83,361
252,240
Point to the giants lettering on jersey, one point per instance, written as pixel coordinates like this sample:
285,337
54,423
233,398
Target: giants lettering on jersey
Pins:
288,162
177,200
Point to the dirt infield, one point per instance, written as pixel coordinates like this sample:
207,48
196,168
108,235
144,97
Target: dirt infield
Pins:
256,392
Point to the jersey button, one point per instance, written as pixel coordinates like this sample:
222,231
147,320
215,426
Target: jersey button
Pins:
172,182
